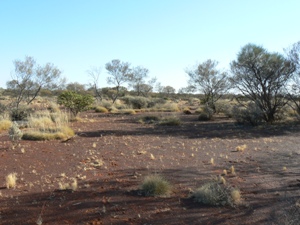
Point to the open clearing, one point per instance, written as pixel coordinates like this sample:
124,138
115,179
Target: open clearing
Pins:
111,154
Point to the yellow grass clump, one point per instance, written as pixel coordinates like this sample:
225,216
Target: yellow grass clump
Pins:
241,148
5,124
11,180
44,125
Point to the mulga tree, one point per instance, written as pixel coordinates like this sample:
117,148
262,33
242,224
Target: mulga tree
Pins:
261,77
293,54
209,81
119,74
29,79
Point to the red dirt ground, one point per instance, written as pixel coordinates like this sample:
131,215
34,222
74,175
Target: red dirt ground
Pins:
129,150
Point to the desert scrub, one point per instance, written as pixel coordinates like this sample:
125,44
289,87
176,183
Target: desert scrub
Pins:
166,107
15,134
155,185
205,113
123,111
187,111
5,124
170,121
136,102
75,102
11,180
44,125
101,109
149,119
216,194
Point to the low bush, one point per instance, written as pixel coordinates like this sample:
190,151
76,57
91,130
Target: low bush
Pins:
155,185
101,109
170,121
251,115
149,119
136,102
75,102
15,134
205,113
187,111
216,194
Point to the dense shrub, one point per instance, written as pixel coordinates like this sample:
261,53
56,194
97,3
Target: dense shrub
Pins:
136,102
205,113
252,114
75,102
18,114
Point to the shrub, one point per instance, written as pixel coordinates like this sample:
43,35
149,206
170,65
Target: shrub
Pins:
136,102
167,107
214,193
18,114
15,134
170,121
206,113
223,106
149,119
155,185
101,109
252,114
75,102
187,111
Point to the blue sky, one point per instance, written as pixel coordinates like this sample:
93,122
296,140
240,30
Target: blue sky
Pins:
165,36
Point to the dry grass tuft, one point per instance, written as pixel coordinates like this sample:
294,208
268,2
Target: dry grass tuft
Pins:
44,125
241,148
5,124
155,185
11,180
214,193
101,109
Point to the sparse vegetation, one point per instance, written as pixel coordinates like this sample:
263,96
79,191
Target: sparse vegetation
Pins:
170,121
216,194
11,180
155,185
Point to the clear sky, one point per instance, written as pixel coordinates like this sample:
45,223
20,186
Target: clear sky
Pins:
165,36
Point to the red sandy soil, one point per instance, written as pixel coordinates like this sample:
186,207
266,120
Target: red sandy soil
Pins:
111,154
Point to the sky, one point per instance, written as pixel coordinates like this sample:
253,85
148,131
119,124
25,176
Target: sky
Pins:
164,36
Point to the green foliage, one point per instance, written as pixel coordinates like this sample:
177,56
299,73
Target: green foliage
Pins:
262,77
155,185
75,102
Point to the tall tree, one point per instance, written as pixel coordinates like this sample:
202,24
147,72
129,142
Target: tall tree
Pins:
119,73
209,81
29,78
261,77
293,54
